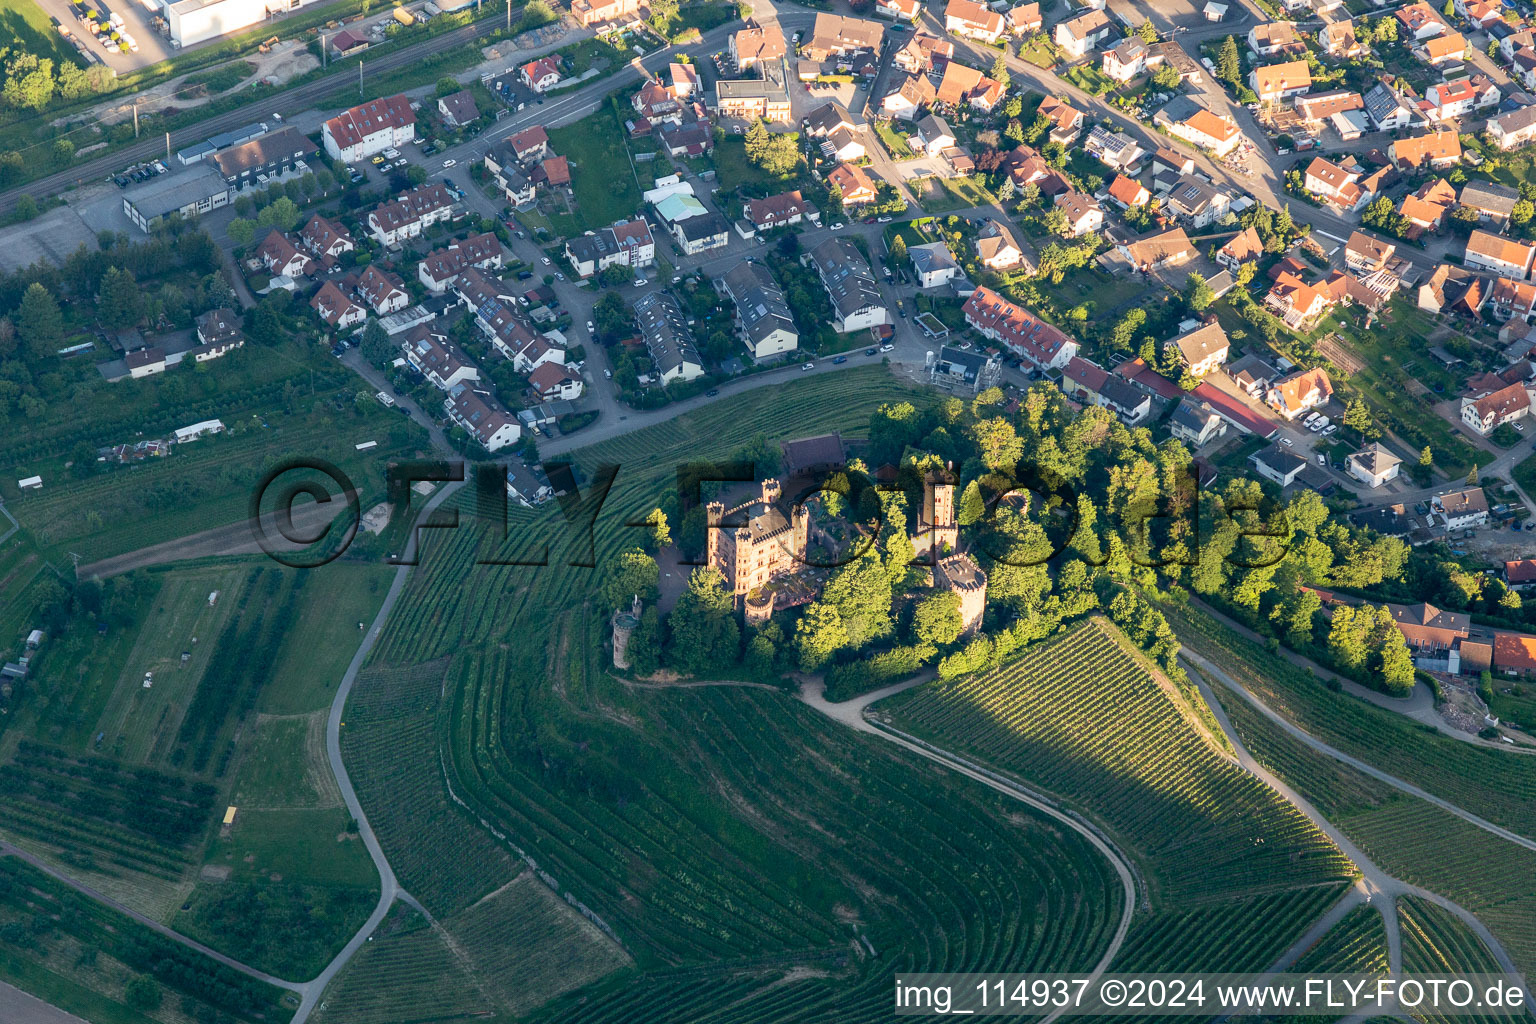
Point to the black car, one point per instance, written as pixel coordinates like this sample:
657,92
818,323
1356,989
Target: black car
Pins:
711,393
839,360
869,351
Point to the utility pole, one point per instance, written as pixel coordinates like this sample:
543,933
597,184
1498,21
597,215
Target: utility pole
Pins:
359,77
323,61
135,118
167,148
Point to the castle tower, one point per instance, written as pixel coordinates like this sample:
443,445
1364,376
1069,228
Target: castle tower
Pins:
800,523
624,625
758,606
770,491
967,579
714,512
937,531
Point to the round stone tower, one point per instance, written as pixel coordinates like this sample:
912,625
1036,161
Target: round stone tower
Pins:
624,625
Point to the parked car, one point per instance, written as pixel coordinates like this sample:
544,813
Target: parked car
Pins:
450,163
808,366
545,260
608,374
869,351
711,393
839,360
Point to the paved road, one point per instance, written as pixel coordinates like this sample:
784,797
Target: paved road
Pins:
389,886
16,1005
1374,878
851,714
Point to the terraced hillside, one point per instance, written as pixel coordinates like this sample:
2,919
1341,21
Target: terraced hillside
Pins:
1235,872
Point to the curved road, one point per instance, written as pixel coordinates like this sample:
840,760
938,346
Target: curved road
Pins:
1374,881
851,714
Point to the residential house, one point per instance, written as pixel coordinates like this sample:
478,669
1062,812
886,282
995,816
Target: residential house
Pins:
1128,59
482,417
369,128
1334,184
1083,33
458,108
218,334
540,75
281,257
973,21
1338,40
1317,107
1087,382
853,183
1478,14
1509,299
1280,465
685,80
1024,19
924,53
1492,201
326,238
1201,350
1454,290
702,233
436,358
835,35
910,98
439,268
933,136
1419,21
780,210
1425,209
1486,411
410,214
844,145
694,139
381,290
1195,423
1436,149
1114,149
1066,120
337,310
1295,394
1450,48
1514,129
266,160
1366,254
899,10
1430,633
1460,510
1128,192
1387,109
1295,302
1197,202
960,82
1444,101
1374,465
668,340
553,381
1018,330
596,12
1274,83
826,119
1195,124
763,318
996,246
766,97
1169,161
1278,37
1503,256
856,299
757,44
1168,248
1242,248
932,264
1252,374
1083,213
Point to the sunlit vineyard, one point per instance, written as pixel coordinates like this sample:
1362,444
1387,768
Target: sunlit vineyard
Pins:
1436,942
1358,943
1084,718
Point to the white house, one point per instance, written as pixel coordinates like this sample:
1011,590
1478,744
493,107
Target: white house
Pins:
1503,256
1083,33
1374,465
932,264
369,128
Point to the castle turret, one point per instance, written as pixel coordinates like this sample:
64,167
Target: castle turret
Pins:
624,625
967,579
714,512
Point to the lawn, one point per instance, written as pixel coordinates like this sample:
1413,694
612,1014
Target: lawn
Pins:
1089,79
1525,475
600,172
696,18
1040,51
896,144
732,168
317,650
31,31
1102,292
943,195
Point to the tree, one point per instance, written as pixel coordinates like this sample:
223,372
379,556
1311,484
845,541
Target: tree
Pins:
972,508
1000,446
626,575
757,140
39,323
119,301
819,635
1449,10
241,231
1166,77
1055,221
644,650
1146,32
1000,72
1522,212
1426,457
1472,476
1229,67
898,250
142,993
376,346
282,213
663,11
703,625
1357,416
936,619
658,530
1198,295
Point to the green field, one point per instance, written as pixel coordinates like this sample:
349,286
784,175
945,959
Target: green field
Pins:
24,24
1435,941
1151,773
325,635
600,172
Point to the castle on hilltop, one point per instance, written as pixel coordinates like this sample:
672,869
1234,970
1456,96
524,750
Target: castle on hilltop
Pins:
937,532
760,543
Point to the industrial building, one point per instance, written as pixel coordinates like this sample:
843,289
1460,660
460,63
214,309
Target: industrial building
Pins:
190,193
192,21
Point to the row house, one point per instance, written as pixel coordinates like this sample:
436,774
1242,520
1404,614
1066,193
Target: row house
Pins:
327,239
410,214
668,341
628,244
834,35
763,319
1426,209
436,358
597,12
438,269
336,308
856,300
1499,255
1018,330
482,417
281,257
369,128
1085,381
382,290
